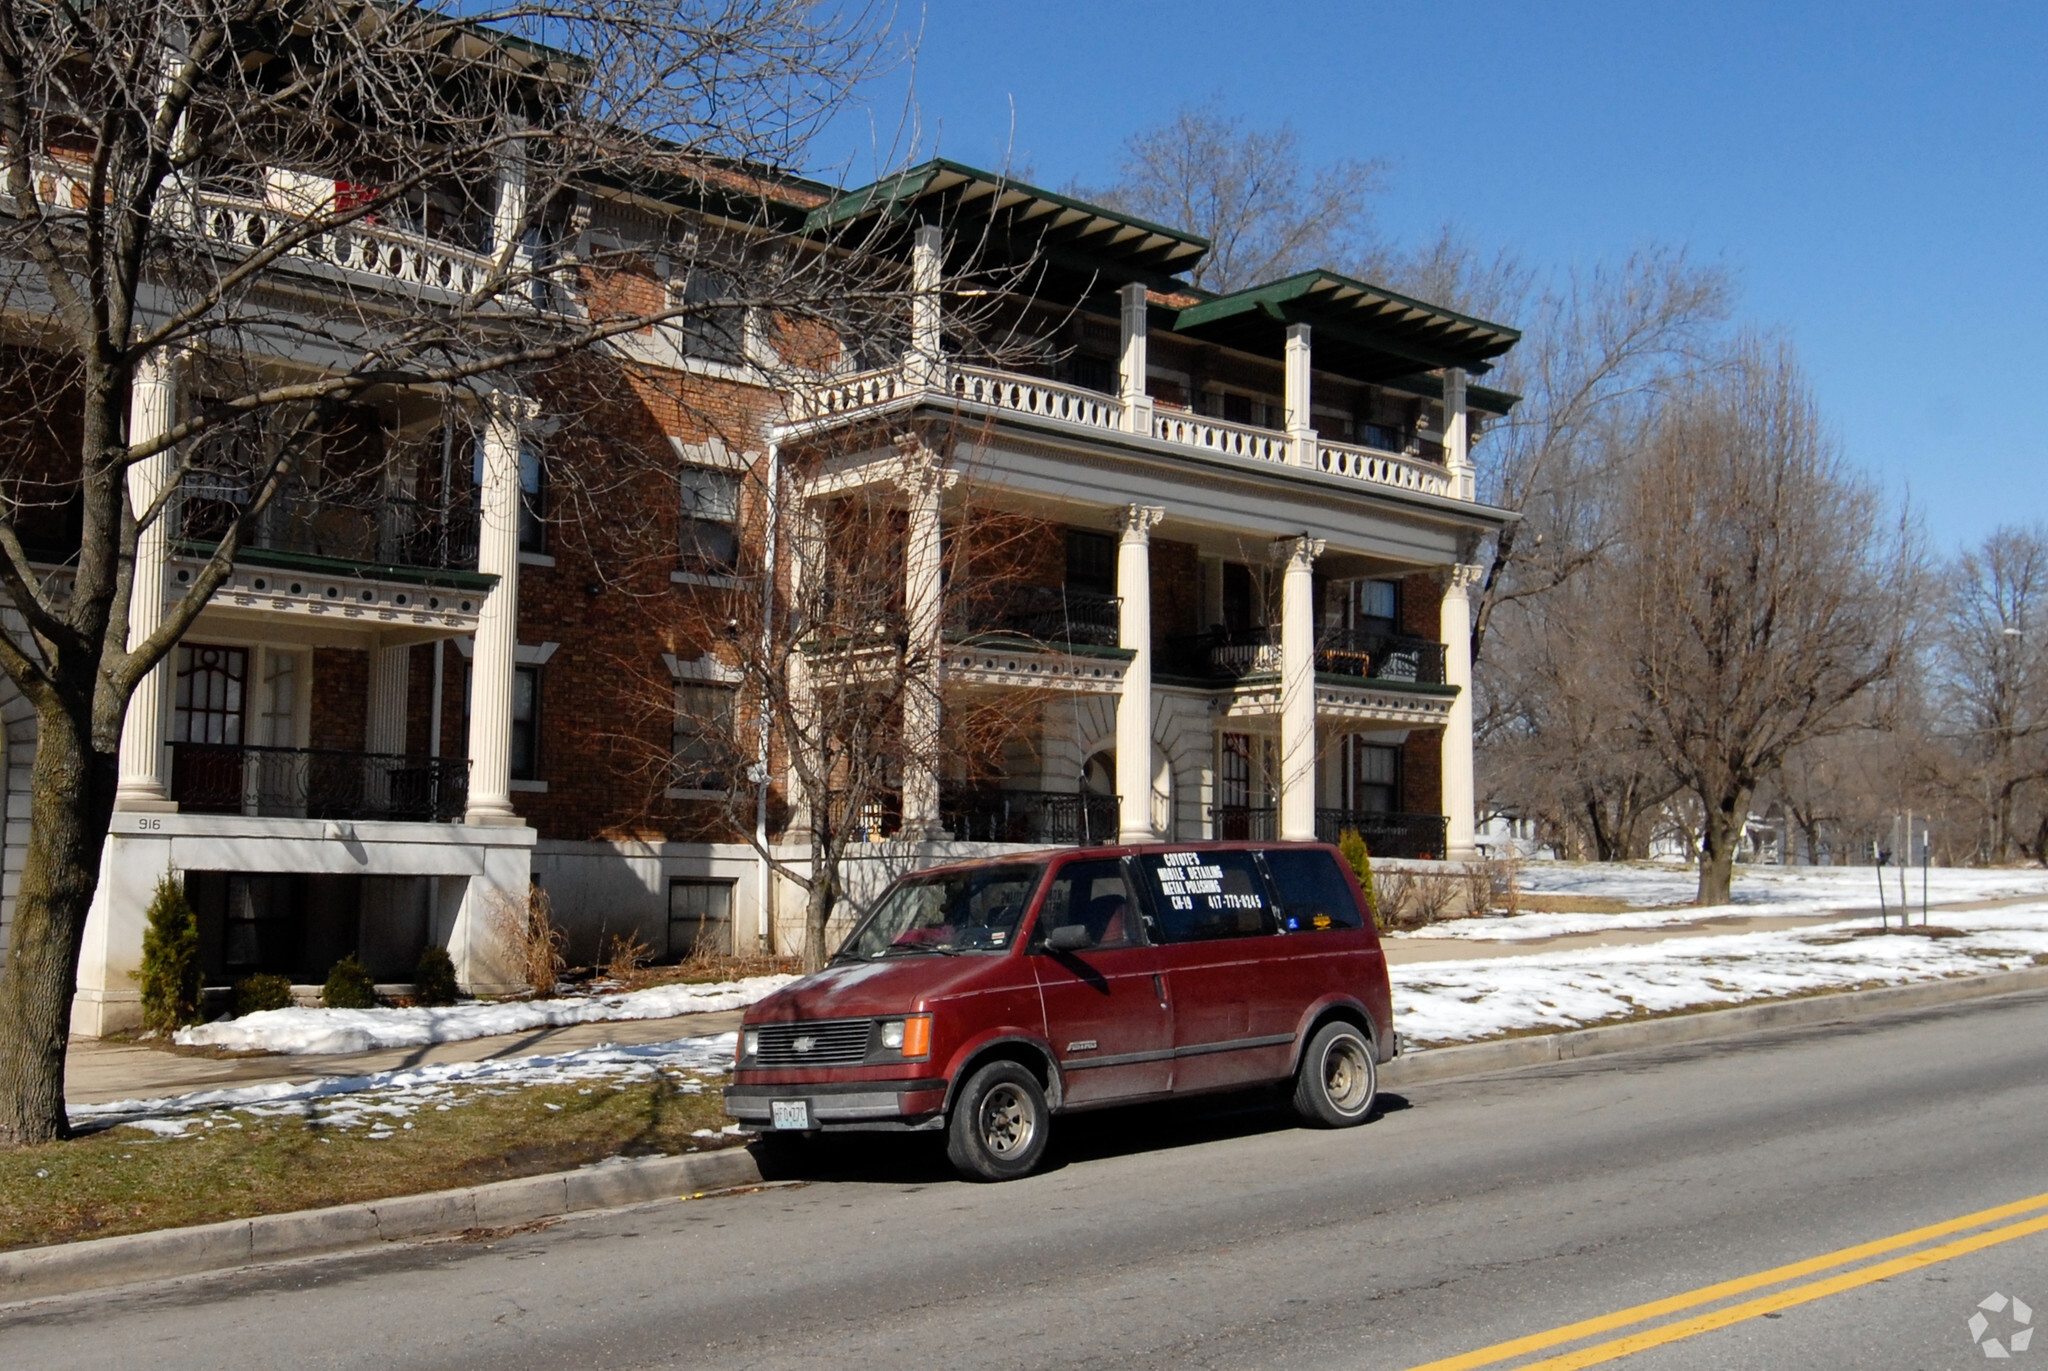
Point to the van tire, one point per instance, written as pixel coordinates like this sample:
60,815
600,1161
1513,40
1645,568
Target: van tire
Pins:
999,1123
1338,1081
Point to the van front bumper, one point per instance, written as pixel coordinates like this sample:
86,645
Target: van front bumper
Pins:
843,1105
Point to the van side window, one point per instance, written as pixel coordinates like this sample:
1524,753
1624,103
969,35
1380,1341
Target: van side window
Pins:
1312,891
1204,895
1094,895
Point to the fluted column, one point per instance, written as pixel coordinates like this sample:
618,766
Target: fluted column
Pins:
152,409
1300,397
497,626
924,364
1298,690
1459,792
1136,338
923,483
390,687
1457,435
1134,701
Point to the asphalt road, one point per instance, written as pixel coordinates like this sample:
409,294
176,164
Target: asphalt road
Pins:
1468,1214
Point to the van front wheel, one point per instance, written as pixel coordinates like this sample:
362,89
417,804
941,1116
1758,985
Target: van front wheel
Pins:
1337,1081
998,1128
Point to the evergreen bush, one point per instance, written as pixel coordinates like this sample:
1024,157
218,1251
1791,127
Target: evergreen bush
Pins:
349,986
1351,843
254,994
169,978
433,982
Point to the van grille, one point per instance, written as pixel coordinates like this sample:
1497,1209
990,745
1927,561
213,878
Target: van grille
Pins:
817,1042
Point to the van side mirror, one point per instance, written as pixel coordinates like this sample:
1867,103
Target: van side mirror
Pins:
1069,938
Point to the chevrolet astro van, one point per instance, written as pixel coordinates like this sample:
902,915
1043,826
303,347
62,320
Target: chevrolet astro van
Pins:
982,999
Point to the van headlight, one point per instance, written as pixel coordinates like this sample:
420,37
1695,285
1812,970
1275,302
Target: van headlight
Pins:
750,1042
910,1036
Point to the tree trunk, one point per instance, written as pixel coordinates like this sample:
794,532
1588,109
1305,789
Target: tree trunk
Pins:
73,801
1720,835
818,905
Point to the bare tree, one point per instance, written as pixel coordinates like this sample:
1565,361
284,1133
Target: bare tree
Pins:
1768,589
309,206
1246,191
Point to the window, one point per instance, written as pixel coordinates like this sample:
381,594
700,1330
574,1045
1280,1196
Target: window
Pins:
1234,776
699,918
961,911
703,736
1376,606
212,689
525,723
1374,777
710,519
1090,372
1240,598
1313,893
1206,895
714,333
1094,895
1091,562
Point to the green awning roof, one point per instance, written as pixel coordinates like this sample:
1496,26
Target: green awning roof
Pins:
1008,222
1356,329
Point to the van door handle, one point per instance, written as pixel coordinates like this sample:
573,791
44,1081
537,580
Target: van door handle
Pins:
1159,989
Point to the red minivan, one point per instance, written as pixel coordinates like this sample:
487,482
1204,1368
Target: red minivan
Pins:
982,999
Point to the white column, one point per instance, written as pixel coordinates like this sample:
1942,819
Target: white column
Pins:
508,218
1301,433
1137,326
1134,702
923,364
152,409
497,627
1455,626
1298,690
390,689
923,483
1457,435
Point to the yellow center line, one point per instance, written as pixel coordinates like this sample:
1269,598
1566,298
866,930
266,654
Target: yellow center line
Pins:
1785,1299
1606,1323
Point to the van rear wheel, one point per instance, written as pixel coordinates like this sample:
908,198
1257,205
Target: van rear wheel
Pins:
1338,1080
998,1128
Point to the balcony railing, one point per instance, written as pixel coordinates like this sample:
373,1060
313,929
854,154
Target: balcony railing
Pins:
1228,654
1029,816
351,525
1047,614
317,783
1413,836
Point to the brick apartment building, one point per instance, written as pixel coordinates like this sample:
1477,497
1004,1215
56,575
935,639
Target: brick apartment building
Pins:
1256,520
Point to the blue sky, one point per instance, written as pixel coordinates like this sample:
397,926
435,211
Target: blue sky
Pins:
1873,174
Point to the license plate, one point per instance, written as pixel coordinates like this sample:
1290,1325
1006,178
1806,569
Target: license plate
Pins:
790,1113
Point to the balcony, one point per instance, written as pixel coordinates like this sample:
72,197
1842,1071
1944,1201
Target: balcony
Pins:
1418,837
873,394
342,524
317,783
1054,818
1046,614
1380,657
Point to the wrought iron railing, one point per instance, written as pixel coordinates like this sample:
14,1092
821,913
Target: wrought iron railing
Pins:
1419,836
1050,614
349,524
1243,823
317,783
1029,816
1339,652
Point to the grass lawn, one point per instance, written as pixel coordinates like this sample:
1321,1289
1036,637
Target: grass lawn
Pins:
241,1163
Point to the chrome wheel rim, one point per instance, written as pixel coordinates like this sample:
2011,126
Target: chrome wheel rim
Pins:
1347,1075
1008,1121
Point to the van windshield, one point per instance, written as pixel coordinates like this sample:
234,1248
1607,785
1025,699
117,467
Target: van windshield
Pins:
945,913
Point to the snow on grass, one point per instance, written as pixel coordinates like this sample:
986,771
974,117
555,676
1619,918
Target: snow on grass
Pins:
1446,1002
381,1102
310,1032
1758,892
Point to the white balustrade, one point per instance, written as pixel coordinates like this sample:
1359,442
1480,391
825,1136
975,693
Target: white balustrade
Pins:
1382,468
1029,395
847,394
404,259
1220,435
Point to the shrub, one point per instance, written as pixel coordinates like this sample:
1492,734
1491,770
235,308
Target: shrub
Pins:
433,981
254,994
169,978
627,955
528,931
349,986
1351,843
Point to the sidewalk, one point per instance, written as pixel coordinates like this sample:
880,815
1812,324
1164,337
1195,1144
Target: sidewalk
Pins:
98,1072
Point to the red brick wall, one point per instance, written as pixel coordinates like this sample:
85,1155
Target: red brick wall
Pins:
1422,600
1176,590
341,692
1422,772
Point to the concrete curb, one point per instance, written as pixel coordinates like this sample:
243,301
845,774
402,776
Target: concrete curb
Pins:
39,1272
1446,1063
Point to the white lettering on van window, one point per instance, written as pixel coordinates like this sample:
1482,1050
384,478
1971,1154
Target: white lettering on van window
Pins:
1181,859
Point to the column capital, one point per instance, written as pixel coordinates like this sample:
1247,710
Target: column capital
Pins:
1299,550
1463,578
1136,522
506,406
